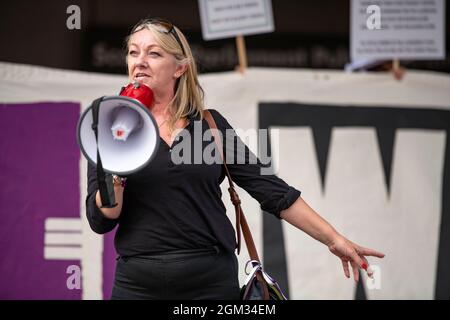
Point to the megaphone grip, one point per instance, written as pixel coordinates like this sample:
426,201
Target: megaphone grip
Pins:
107,194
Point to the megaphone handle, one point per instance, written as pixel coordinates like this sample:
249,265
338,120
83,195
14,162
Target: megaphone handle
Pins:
105,183
106,188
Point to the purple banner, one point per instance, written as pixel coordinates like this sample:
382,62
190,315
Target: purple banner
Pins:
109,263
39,201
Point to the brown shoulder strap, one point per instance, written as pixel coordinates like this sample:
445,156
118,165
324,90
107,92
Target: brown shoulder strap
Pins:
241,222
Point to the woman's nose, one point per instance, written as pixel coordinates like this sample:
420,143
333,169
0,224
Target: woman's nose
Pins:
140,62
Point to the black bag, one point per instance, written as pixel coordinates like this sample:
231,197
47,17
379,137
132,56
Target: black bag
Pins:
253,288
259,285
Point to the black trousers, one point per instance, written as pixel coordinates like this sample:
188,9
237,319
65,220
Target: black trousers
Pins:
205,274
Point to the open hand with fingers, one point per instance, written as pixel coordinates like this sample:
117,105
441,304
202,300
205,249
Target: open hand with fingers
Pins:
302,216
353,254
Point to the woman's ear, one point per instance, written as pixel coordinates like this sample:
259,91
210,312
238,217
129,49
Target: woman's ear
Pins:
181,69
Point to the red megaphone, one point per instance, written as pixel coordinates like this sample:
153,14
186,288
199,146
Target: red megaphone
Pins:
140,92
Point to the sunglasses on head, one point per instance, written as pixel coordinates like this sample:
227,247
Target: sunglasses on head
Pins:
167,25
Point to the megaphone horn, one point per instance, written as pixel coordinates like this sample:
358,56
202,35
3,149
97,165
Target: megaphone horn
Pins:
128,135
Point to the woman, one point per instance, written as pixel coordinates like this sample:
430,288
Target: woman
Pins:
174,239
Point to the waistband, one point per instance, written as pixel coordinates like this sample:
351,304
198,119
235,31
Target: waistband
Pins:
175,253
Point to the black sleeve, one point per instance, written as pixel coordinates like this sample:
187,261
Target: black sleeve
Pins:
272,193
97,220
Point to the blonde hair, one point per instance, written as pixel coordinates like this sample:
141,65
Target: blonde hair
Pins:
188,94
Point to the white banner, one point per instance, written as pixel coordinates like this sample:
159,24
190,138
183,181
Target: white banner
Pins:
389,29
229,18
379,179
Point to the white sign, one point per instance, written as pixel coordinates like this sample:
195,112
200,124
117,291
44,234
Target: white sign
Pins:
403,29
230,18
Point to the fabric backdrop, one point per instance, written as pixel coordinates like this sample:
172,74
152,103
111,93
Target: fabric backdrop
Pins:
369,153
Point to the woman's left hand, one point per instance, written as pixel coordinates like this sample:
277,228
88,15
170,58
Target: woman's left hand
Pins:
302,216
354,254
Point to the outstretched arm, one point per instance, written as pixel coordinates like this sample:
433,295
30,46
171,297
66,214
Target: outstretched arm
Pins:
302,216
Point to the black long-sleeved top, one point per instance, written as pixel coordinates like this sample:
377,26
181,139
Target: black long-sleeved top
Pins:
169,206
